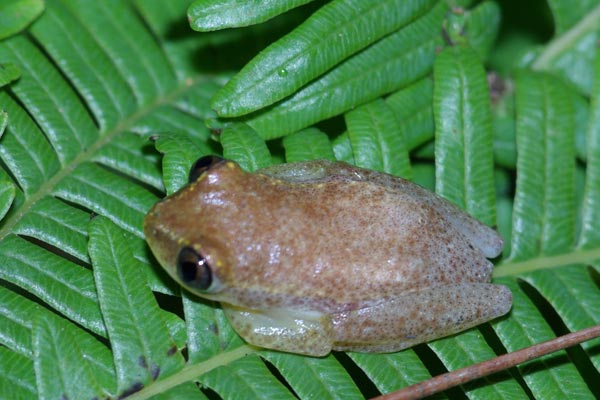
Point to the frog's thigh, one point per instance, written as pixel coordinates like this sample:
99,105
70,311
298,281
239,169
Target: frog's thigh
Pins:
419,317
280,329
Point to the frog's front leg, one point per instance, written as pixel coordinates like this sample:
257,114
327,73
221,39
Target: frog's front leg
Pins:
419,316
286,330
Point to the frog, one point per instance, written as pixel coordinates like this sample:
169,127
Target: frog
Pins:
314,256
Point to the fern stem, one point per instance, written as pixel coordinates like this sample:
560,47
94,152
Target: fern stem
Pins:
567,40
540,263
192,372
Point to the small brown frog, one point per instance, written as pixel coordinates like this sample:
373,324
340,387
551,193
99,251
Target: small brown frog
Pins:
313,256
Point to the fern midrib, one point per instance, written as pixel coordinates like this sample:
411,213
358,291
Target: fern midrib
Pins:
192,371
578,256
568,39
547,111
464,145
47,188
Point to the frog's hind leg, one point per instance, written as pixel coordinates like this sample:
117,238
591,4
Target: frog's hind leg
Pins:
419,316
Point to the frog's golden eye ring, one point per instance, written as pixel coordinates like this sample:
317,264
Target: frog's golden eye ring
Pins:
202,165
193,269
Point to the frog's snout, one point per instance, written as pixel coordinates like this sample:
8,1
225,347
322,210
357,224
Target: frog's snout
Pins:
151,221
158,236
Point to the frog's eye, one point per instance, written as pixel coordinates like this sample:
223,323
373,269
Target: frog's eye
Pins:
193,269
202,165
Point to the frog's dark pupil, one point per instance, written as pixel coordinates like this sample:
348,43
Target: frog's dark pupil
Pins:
193,269
202,165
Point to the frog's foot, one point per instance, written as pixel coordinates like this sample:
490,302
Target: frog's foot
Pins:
419,316
281,329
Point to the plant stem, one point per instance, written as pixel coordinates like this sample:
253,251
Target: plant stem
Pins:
191,372
485,368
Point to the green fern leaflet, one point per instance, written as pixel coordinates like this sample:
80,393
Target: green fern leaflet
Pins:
104,105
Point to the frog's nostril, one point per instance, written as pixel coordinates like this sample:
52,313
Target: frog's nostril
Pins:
152,224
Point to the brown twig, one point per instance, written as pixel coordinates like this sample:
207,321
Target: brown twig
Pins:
460,376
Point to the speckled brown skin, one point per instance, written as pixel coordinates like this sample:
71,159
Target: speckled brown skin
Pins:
312,256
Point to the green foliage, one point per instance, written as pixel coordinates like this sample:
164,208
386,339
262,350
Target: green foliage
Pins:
8,73
373,134
338,30
463,137
387,65
121,296
106,105
547,150
241,143
208,15
307,144
15,15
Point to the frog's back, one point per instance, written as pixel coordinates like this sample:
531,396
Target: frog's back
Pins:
342,233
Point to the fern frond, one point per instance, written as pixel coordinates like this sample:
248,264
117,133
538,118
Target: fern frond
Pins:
105,105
